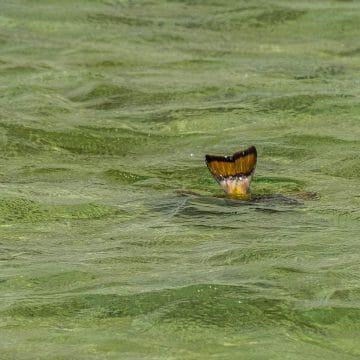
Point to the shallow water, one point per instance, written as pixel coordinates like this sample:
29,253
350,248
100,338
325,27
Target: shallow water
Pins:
115,240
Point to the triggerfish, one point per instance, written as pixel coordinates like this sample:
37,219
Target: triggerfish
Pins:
234,173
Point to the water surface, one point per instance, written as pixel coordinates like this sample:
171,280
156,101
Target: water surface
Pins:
115,242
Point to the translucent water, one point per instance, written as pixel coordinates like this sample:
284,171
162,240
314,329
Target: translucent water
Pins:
115,241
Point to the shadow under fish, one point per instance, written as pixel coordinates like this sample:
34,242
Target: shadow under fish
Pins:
225,203
223,210
270,212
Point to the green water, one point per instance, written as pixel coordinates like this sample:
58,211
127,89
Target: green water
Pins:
115,242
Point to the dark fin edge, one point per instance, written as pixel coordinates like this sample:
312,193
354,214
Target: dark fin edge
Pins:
237,155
